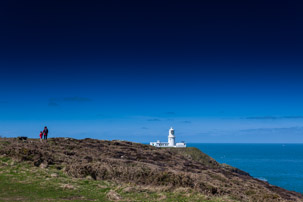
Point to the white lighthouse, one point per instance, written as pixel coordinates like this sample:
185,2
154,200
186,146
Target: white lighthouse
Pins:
171,137
171,141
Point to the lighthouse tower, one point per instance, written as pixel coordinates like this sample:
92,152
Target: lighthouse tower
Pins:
171,141
171,137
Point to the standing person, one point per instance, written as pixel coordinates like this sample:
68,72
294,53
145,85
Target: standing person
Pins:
45,132
41,134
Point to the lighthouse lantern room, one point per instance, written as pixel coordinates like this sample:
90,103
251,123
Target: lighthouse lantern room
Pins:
171,137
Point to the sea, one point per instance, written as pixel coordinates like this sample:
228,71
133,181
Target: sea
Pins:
278,164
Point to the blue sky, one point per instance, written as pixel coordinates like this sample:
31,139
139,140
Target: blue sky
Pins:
216,72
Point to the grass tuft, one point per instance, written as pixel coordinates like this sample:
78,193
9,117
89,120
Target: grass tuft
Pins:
20,181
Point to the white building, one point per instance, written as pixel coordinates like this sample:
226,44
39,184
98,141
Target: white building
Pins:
171,141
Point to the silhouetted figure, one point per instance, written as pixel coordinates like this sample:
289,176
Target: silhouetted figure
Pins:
45,132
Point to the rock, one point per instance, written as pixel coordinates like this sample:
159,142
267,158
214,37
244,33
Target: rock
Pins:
54,175
128,189
89,177
102,186
43,165
67,186
112,195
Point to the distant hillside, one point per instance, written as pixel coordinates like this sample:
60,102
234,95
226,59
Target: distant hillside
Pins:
184,172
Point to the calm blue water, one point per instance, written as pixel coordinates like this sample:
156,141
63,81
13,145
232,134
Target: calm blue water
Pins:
279,164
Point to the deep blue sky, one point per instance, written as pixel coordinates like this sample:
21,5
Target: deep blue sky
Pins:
217,71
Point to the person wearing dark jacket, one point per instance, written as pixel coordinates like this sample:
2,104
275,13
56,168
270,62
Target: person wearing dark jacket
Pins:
45,132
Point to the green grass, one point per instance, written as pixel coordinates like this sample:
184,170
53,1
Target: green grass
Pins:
20,181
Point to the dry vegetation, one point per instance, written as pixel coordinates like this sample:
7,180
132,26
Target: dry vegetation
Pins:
137,168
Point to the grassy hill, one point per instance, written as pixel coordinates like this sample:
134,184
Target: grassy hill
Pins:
94,170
